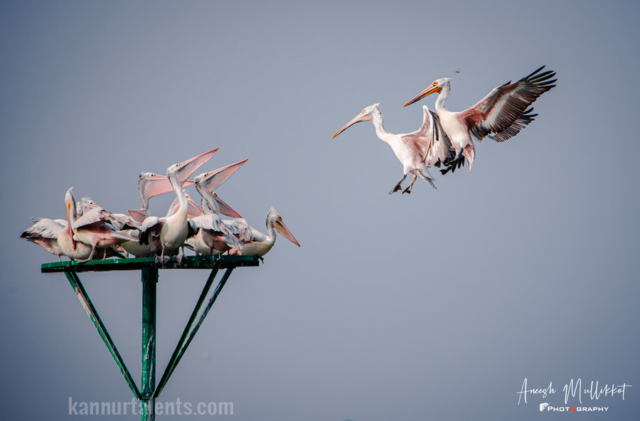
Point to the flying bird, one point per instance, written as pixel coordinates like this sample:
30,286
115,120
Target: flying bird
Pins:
500,115
417,151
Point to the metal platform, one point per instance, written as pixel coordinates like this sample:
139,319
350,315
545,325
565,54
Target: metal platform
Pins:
149,276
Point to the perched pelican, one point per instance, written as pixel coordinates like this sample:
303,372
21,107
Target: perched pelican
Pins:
216,235
150,185
500,115
416,151
81,237
173,230
153,245
44,232
260,244
94,229
213,206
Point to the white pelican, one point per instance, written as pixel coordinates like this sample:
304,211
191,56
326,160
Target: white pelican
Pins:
83,235
44,232
213,206
416,151
153,245
173,230
150,185
260,244
500,115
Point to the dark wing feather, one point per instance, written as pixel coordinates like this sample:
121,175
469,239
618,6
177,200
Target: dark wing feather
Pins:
506,109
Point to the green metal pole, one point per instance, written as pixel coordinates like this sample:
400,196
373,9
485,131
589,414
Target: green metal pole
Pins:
193,332
77,286
187,329
149,283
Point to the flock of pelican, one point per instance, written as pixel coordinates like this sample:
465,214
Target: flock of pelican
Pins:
446,138
91,232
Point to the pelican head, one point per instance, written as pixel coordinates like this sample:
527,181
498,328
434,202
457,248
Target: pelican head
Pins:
436,86
183,170
274,218
365,115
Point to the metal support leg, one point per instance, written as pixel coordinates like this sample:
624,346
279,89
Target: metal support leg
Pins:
149,283
175,359
102,330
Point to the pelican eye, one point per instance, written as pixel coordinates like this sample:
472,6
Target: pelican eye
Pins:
435,83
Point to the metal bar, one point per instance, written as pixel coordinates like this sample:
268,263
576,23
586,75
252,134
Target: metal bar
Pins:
172,361
102,330
221,284
149,284
191,262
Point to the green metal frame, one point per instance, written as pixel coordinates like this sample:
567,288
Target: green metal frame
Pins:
151,391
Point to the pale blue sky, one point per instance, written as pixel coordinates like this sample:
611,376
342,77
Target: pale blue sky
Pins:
430,306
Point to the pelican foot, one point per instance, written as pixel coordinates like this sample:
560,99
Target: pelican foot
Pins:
407,190
395,189
162,260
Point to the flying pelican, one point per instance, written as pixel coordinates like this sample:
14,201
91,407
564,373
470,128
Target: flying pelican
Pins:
416,151
173,230
260,244
500,115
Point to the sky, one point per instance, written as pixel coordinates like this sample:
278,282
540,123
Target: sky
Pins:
434,305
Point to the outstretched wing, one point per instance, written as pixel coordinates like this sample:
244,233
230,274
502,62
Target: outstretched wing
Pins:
505,110
43,228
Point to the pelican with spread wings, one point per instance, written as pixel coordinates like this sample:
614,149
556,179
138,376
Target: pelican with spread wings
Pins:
500,115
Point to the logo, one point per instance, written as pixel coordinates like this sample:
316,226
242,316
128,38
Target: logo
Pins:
543,406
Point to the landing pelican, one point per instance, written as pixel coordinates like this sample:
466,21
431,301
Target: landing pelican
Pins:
416,151
500,115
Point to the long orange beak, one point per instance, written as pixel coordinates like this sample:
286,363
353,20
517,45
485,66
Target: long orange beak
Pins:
73,242
430,90
360,117
189,166
280,226
226,209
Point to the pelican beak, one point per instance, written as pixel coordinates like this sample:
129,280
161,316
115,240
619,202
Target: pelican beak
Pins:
193,210
73,242
360,117
213,179
187,167
280,226
138,215
430,90
226,209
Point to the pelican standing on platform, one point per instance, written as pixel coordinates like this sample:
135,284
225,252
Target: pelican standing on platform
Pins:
416,151
261,244
500,115
173,230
